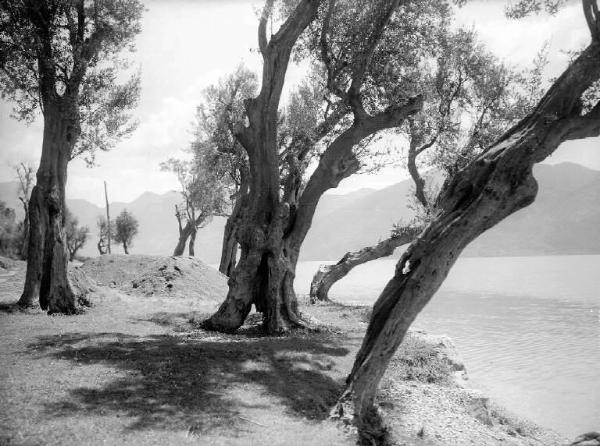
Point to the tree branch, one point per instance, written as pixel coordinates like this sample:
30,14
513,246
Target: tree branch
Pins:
262,26
592,18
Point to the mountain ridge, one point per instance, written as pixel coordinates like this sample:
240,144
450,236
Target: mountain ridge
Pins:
564,219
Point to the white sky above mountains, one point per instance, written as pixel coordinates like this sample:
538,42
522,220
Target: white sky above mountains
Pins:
185,46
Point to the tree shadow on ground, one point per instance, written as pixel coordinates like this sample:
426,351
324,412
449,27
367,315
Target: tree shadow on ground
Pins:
192,381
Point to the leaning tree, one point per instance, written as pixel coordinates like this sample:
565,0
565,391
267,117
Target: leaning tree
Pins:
63,58
204,195
471,98
370,78
497,183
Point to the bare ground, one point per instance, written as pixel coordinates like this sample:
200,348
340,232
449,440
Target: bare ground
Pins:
136,370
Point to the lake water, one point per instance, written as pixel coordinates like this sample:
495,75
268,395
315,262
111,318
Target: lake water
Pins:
528,329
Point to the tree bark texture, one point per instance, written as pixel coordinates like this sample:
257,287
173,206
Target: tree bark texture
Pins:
229,249
264,273
46,276
327,275
495,185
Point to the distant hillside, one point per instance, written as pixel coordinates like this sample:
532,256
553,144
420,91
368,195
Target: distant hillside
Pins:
565,219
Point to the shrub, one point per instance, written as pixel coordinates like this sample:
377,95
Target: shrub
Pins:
417,360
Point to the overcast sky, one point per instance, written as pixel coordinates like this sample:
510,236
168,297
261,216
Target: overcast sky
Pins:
185,46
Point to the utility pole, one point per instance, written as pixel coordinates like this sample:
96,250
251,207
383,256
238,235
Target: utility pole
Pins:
107,218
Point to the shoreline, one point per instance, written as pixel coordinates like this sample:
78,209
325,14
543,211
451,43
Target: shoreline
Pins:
446,411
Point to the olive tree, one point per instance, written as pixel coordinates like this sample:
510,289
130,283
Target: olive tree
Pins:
203,192
351,43
25,175
62,57
76,235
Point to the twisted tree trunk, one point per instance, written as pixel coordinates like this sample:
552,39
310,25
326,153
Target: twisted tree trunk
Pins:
232,226
47,252
263,275
274,228
327,275
492,187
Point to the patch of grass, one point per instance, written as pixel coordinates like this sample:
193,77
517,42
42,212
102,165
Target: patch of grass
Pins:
417,360
511,423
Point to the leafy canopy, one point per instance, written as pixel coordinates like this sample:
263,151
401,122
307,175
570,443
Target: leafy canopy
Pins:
63,53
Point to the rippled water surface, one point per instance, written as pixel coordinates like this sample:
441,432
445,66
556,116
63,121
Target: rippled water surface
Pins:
528,329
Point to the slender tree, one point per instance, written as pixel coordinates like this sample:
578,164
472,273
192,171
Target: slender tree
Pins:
107,233
25,174
126,228
352,43
62,56
497,183
204,195
104,231
76,235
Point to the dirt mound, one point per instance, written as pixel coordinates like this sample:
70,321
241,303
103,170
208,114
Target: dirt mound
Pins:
183,277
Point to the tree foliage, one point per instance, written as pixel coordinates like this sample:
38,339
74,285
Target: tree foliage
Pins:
76,235
218,116
11,232
103,234
126,228
59,50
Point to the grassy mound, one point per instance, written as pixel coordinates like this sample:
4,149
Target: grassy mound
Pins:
179,277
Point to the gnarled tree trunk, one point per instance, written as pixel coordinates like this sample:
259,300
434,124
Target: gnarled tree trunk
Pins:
229,249
47,253
327,275
262,275
274,228
498,183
